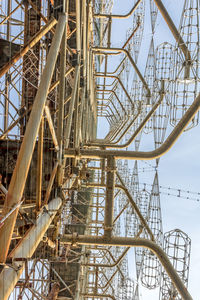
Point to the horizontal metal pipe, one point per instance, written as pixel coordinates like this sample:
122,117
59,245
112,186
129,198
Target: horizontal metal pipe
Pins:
133,242
119,16
141,155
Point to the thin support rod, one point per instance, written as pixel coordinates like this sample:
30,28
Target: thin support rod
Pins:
61,98
132,202
71,108
56,83
116,263
51,127
104,296
120,82
114,93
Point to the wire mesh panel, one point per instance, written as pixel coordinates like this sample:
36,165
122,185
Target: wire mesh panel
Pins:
186,71
143,203
137,38
164,66
154,13
151,268
177,246
131,219
149,76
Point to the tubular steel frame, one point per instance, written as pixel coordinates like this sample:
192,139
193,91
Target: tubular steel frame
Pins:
72,124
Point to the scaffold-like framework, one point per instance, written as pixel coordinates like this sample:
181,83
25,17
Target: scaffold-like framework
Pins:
77,110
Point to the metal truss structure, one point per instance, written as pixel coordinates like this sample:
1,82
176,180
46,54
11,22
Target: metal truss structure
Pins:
71,204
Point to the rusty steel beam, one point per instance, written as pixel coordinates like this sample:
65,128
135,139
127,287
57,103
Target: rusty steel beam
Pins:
20,172
27,47
110,189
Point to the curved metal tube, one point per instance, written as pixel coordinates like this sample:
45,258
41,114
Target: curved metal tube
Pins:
120,82
132,242
119,16
115,94
142,155
119,50
135,134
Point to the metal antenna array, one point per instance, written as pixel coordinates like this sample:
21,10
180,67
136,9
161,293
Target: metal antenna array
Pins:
72,204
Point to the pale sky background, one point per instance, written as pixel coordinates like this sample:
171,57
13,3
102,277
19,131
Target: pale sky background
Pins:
180,167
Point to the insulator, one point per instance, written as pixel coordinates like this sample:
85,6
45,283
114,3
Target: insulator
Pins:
177,246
